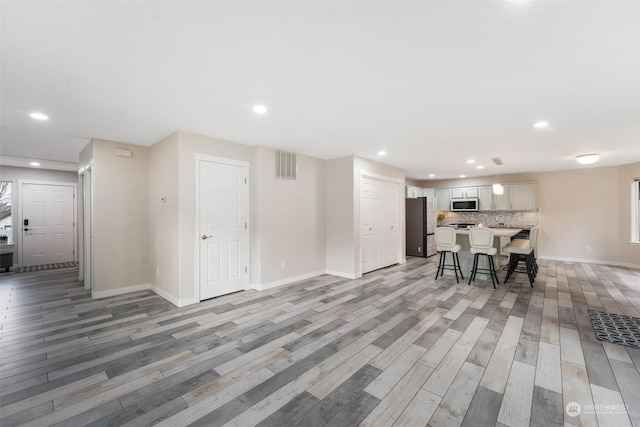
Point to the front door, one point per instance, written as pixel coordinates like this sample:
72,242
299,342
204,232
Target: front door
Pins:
48,227
223,218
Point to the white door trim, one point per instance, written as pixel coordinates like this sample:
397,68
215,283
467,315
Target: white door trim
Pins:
21,183
230,162
400,182
85,223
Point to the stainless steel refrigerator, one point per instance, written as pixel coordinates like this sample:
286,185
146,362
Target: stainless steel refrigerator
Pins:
421,225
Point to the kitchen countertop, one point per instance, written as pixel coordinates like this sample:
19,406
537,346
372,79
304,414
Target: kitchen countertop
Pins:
497,232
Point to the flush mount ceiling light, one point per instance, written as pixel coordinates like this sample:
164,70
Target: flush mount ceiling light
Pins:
471,161
431,175
463,176
39,116
479,167
587,159
34,164
260,109
540,124
382,153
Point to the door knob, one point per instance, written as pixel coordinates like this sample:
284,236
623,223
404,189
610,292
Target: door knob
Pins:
205,237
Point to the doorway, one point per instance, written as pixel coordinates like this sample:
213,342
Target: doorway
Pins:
48,217
223,225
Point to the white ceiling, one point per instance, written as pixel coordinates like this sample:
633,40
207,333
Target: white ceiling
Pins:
433,83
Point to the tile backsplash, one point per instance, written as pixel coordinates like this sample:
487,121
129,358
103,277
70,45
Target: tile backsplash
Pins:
523,219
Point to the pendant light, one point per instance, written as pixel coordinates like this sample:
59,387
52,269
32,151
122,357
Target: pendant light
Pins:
497,188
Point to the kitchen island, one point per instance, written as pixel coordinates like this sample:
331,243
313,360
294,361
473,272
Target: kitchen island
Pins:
466,257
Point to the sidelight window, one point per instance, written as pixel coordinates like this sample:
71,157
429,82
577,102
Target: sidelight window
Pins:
5,210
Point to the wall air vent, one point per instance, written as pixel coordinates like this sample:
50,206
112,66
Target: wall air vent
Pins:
497,161
285,164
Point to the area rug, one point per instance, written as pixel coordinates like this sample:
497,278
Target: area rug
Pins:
616,328
54,266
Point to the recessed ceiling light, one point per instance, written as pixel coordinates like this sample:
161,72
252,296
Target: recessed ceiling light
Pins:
39,116
479,167
34,164
431,175
471,161
587,159
541,124
260,109
382,153
463,176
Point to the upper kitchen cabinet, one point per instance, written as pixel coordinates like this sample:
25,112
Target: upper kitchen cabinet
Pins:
413,192
523,196
516,197
485,196
464,193
443,199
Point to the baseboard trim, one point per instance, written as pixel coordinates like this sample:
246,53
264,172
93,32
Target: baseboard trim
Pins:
590,261
288,280
146,287
120,291
343,275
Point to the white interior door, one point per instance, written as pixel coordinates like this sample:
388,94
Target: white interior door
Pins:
48,228
223,223
379,223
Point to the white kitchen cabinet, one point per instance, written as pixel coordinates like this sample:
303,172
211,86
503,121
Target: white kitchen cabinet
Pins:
429,193
413,192
516,197
443,196
485,196
464,193
523,196
502,202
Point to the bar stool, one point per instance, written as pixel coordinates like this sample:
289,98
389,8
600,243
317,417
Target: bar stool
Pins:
533,242
446,242
481,242
520,251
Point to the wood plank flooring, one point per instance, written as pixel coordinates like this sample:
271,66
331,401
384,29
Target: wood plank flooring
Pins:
394,348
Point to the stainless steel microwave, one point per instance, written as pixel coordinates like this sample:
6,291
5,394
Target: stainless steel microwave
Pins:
468,205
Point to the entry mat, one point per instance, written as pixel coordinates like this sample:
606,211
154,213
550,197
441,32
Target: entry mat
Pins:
616,328
54,266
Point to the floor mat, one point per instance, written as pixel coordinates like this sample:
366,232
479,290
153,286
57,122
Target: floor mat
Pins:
616,328
45,267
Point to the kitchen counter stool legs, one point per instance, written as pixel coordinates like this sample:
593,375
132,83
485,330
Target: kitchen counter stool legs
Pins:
519,253
446,243
481,242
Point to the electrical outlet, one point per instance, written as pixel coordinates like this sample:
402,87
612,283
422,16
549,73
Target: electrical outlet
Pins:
283,264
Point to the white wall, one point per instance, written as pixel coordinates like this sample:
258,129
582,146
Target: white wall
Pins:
120,213
163,217
290,220
339,218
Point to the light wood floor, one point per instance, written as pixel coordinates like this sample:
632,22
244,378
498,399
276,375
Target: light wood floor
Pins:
395,348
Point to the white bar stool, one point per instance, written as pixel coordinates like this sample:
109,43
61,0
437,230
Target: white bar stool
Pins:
446,242
481,243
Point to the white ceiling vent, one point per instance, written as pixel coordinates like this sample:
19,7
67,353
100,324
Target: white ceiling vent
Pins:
285,164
